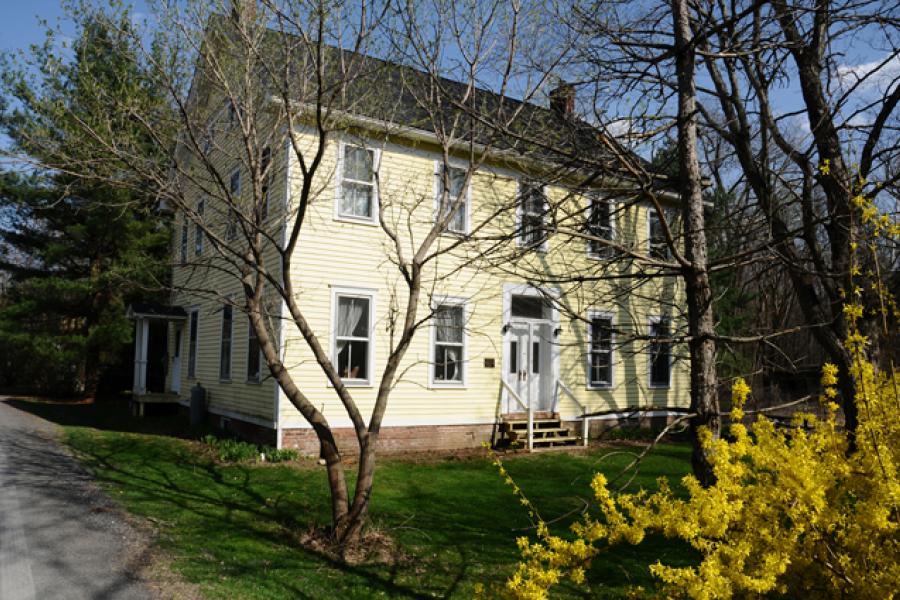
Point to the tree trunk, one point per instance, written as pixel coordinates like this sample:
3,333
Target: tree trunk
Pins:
701,326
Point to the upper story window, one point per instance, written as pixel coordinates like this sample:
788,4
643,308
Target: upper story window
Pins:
353,336
198,230
225,344
660,351
532,208
656,236
449,344
452,194
600,356
357,183
600,225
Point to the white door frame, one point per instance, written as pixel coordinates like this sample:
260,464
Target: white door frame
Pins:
548,385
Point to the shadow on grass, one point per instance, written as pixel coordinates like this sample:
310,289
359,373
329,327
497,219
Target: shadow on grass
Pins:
236,530
111,414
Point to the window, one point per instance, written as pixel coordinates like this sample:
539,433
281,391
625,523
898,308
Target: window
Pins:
600,354
449,343
532,208
658,246
231,224
254,356
184,241
265,161
192,343
353,336
600,225
457,196
660,353
357,189
198,230
530,307
225,346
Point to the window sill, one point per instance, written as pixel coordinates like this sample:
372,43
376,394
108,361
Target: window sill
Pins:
224,380
368,221
253,382
666,386
599,388
356,383
437,385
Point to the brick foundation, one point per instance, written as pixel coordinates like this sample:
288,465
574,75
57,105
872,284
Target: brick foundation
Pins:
251,432
418,438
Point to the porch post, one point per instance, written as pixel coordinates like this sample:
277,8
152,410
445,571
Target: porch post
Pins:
138,344
142,357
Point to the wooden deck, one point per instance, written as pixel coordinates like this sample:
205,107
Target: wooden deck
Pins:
139,401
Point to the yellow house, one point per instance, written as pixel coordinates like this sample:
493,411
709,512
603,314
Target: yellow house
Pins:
530,326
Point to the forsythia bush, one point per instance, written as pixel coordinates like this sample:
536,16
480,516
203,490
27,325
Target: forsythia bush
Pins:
792,510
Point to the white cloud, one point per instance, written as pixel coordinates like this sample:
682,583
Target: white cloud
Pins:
879,74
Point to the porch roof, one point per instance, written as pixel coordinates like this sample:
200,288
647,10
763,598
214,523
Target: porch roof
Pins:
155,310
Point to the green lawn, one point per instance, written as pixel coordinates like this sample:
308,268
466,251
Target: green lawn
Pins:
234,529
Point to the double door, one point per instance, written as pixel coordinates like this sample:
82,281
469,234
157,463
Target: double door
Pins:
529,365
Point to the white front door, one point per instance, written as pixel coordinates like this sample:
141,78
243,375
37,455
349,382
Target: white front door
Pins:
175,384
528,365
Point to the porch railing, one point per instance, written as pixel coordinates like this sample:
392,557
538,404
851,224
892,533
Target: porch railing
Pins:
528,408
585,424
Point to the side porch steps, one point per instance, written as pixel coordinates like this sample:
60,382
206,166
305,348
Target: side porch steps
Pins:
549,432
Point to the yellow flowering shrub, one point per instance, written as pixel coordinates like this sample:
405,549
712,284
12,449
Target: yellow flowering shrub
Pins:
791,510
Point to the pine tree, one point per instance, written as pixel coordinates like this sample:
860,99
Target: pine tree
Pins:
75,250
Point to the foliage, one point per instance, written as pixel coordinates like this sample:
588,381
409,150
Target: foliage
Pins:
77,250
232,450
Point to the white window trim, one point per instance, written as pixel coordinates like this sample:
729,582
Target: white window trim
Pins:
355,292
520,209
613,206
258,380
230,377
192,360
601,314
438,192
339,185
432,343
653,320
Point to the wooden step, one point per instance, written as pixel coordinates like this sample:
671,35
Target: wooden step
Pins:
569,440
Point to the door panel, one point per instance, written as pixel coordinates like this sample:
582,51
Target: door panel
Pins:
175,384
517,352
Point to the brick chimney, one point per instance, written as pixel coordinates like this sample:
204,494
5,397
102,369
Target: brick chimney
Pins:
562,100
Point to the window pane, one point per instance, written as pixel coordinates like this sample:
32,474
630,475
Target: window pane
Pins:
448,323
358,163
353,358
448,363
600,368
356,199
353,317
535,357
513,356
601,333
192,346
253,355
225,348
235,186
660,354
530,307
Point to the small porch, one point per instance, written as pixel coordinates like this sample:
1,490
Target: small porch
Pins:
157,374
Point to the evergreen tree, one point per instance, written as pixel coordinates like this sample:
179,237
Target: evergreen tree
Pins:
76,250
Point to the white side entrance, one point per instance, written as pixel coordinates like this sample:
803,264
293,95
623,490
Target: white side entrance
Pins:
530,354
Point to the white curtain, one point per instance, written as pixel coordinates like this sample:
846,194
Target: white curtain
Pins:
453,363
449,324
350,313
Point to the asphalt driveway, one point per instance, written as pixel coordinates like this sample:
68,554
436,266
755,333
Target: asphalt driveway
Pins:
60,536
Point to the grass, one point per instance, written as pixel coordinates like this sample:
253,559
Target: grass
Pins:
234,529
